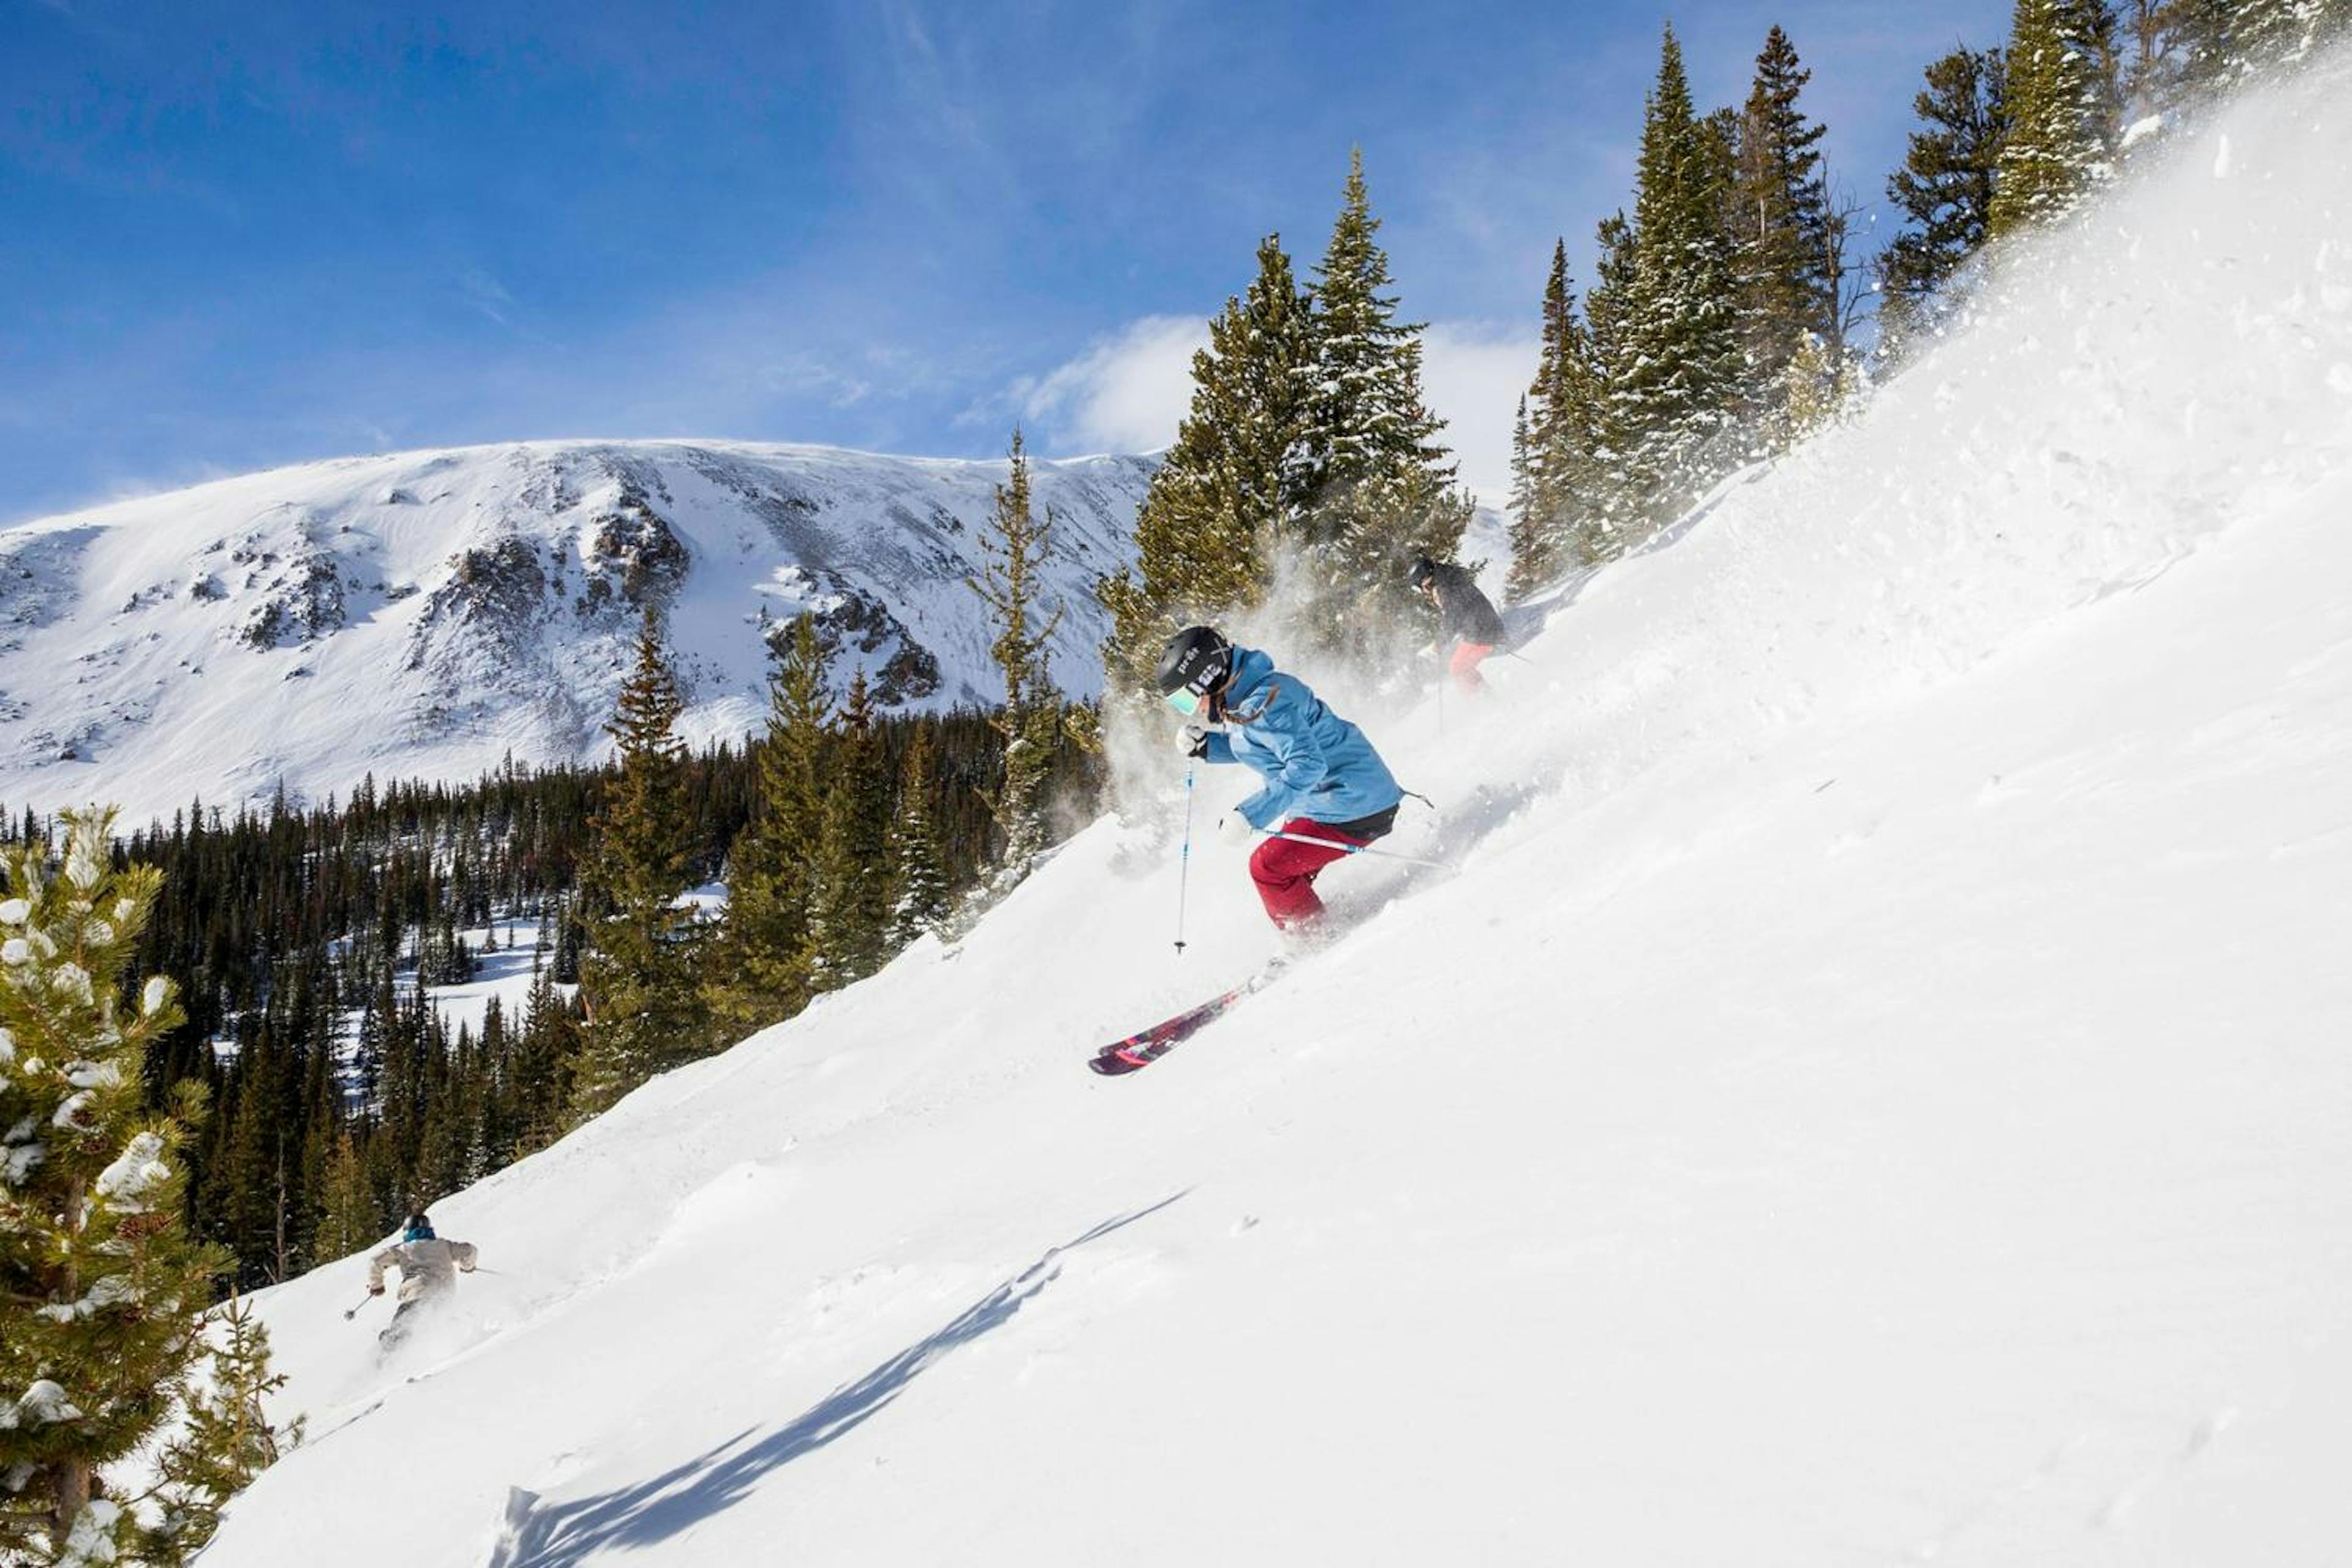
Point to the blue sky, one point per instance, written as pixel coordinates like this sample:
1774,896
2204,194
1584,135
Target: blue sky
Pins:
235,236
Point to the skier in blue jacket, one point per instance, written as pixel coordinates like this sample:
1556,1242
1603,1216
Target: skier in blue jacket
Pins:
1323,780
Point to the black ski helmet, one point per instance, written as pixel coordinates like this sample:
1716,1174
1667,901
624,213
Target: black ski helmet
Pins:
1196,661
1425,571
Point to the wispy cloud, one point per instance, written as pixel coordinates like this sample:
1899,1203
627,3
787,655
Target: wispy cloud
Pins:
936,85
807,375
486,294
1125,393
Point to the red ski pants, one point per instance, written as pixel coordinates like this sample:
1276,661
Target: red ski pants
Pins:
1466,659
1284,869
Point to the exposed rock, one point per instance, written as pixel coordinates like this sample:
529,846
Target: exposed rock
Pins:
634,553
302,603
856,621
907,674
500,585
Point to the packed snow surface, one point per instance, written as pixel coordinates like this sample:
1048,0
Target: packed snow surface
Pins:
433,613
1874,1090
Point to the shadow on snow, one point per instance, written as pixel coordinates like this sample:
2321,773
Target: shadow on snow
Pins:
652,1510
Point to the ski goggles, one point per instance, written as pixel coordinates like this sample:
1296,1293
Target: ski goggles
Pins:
1184,700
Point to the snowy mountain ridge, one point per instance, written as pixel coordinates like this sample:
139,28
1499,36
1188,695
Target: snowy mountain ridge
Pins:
1870,1090
427,613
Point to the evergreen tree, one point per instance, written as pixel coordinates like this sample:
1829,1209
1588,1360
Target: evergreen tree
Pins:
2268,31
1232,481
570,933
765,947
100,1284
349,1219
550,1041
1674,393
2219,42
851,920
919,901
1602,533
1379,483
367,1059
2064,102
638,982
1787,258
1822,383
1016,544
1945,188
1562,431
1530,560
224,1439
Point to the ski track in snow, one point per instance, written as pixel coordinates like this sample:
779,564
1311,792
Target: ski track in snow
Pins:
1872,1088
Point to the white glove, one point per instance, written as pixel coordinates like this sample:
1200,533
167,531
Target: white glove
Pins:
1194,742
1234,828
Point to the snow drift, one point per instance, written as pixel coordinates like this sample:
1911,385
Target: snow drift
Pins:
1874,1089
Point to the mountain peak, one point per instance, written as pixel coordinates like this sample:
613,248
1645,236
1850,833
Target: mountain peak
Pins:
427,613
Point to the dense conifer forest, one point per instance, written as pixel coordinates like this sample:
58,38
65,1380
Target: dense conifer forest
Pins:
305,946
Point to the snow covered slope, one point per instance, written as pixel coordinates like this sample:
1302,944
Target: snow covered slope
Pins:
427,612
1874,1091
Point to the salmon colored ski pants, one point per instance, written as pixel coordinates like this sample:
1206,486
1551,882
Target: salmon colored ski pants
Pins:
1284,869
1466,659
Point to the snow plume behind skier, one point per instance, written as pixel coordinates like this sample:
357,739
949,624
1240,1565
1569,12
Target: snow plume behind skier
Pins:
1322,779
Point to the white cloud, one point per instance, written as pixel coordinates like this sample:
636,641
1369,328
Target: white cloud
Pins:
1126,392
1473,374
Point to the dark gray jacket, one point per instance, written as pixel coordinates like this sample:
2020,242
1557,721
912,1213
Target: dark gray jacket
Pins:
1464,613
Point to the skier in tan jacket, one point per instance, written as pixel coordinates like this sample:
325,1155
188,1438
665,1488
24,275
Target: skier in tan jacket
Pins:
428,1267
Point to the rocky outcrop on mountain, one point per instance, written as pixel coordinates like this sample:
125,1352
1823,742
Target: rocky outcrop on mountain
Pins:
493,596
850,620
631,556
302,598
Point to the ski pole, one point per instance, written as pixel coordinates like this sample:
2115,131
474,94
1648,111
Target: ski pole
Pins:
1353,849
354,1311
1184,857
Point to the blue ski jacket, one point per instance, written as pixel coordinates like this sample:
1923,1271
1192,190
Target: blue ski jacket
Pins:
1316,764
